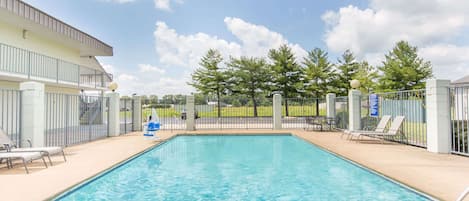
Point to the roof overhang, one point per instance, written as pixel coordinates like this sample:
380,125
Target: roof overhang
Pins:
24,16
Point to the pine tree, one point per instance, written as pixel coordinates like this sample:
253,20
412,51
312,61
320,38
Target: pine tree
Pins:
347,68
250,77
318,73
403,69
367,76
287,73
210,78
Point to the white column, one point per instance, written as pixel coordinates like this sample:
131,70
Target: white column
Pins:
354,110
190,113
330,105
114,114
32,114
438,116
137,113
277,111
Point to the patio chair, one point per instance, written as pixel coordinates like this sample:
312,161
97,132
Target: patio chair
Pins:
380,128
10,146
26,157
394,129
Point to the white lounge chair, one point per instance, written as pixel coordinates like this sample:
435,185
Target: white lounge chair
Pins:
26,157
380,128
10,146
394,129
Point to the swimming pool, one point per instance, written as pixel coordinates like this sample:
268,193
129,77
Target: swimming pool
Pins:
239,168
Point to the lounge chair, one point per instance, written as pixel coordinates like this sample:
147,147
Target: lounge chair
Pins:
46,151
380,128
394,129
26,157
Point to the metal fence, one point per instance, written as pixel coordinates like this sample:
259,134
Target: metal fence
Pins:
234,112
459,107
126,112
75,119
342,115
298,112
171,113
410,104
10,114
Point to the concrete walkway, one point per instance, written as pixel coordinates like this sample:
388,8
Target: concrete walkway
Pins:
442,176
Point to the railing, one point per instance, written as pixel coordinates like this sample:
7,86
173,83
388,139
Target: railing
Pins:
10,114
301,110
170,113
126,116
31,65
75,119
459,106
410,104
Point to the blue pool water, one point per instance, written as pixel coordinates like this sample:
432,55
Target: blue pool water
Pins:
239,168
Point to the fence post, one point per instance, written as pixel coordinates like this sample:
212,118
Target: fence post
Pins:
354,121
438,116
114,114
32,114
330,105
137,113
277,111
190,113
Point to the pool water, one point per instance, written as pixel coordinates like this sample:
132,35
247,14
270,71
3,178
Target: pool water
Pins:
239,168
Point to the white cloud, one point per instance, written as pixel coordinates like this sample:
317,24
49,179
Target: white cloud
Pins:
147,68
185,51
373,31
166,4
119,1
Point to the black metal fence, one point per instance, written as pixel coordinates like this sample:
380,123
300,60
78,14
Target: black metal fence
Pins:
342,115
126,112
459,106
234,112
75,119
10,114
300,112
171,112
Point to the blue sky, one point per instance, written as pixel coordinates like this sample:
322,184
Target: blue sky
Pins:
157,43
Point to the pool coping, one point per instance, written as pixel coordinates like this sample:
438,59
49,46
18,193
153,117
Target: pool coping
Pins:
402,184
102,173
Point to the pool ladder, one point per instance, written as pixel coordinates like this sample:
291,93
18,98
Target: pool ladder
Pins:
463,195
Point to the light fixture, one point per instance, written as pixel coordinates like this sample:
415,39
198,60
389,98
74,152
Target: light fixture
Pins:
355,84
113,86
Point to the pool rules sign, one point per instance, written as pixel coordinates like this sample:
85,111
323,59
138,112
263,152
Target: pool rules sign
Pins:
374,105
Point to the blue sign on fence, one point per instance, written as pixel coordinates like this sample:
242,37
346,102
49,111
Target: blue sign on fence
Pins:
374,105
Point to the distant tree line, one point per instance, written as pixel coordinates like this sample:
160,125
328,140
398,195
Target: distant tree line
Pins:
312,76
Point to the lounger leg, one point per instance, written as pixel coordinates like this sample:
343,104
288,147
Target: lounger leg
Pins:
63,154
25,167
50,161
44,160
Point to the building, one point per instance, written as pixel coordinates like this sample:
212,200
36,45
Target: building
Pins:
38,47
58,61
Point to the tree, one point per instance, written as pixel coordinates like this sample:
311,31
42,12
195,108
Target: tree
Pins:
250,77
318,74
153,99
287,73
210,78
403,69
347,68
367,76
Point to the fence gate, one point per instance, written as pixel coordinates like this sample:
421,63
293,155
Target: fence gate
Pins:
10,110
74,119
341,108
126,115
459,107
299,112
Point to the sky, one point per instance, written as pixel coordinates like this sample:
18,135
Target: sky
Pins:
158,43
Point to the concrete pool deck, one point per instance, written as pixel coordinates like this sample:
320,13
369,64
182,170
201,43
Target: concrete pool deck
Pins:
440,175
